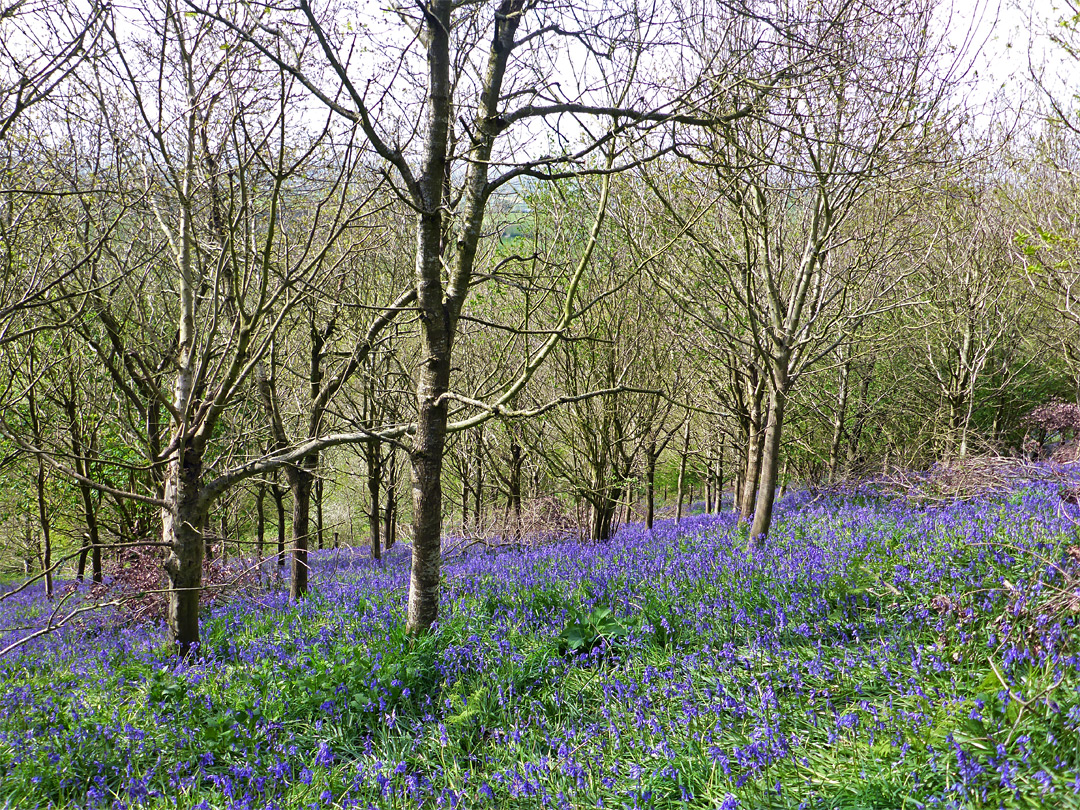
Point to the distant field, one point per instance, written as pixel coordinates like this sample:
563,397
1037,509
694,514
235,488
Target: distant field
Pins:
878,655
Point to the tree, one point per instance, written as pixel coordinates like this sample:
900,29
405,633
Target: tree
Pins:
205,166
41,45
787,181
1043,210
970,302
448,166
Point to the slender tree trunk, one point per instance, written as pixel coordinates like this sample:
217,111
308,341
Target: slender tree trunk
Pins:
650,484
300,482
707,484
965,429
517,459
207,539
614,502
466,494
719,489
80,573
96,563
754,448
682,472
390,514
478,489
317,494
838,420
39,481
436,337
617,513
184,514
156,473
438,312
278,494
32,550
770,459
740,479
260,523
46,534
434,380
957,407
374,477
81,449
862,413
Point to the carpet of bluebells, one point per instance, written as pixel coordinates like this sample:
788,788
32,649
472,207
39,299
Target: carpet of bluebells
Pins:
878,654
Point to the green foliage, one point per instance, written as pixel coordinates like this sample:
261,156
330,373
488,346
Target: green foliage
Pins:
586,632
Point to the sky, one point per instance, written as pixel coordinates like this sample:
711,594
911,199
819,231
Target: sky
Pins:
1008,46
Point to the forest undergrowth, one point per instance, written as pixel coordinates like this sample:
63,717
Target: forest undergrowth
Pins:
878,653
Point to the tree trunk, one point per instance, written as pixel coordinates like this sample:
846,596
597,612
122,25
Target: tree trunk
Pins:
707,485
965,430
752,469
182,519
207,539
32,550
426,458
466,494
770,458
618,512
374,477
650,484
300,482
278,494
184,514
838,420
390,514
46,534
957,408
80,573
740,479
517,459
478,489
682,473
862,414
602,512
434,378
80,450
317,494
438,312
260,522
719,487
39,482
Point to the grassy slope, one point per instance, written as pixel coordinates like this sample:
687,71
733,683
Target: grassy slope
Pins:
879,656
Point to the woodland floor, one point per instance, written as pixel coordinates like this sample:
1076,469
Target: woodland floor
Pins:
879,654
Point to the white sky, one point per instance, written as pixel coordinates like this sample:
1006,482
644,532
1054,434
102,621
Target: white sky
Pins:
1008,46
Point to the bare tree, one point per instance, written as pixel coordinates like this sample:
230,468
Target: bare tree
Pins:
473,134
788,179
971,301
41,44
208,163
